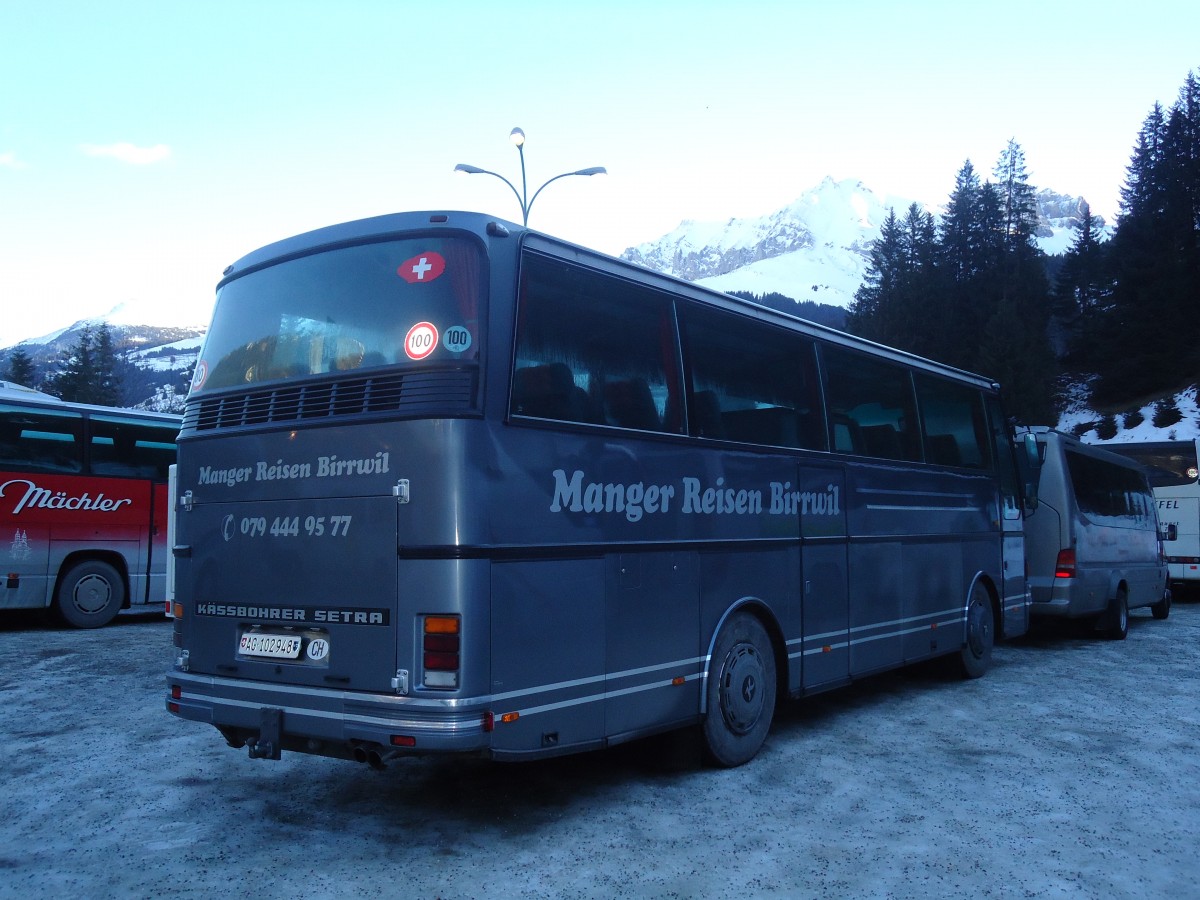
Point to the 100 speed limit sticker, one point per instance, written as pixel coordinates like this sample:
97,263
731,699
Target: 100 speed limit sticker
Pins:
421,340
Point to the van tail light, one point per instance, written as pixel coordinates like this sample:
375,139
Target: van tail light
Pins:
441,648
1064,567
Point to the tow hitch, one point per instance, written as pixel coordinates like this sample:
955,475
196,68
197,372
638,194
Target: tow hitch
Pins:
270,735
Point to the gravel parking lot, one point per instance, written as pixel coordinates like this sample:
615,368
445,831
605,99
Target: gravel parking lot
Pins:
1070,770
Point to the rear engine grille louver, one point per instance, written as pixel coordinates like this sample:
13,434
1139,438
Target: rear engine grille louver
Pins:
409,393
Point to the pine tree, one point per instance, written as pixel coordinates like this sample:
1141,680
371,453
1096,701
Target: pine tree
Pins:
869,311
21,369
898,302
76,372
1082,284
961,226
106,388
1018,203
1143,333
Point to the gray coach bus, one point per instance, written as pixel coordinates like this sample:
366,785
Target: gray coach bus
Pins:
448,485
1094,546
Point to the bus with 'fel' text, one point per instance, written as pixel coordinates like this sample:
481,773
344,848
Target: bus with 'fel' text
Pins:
449,485
1174,472
83,506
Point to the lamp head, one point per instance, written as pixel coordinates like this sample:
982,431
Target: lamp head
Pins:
517,136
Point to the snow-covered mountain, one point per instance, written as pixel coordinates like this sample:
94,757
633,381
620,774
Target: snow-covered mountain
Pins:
159,354
817,248
814,249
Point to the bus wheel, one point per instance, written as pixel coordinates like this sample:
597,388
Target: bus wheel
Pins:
90,594
1116,620
976,654
1162,608
740,692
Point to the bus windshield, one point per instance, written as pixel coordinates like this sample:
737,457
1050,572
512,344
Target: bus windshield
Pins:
1166,463
403,302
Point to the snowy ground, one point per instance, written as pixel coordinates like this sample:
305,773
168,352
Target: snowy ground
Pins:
1071,770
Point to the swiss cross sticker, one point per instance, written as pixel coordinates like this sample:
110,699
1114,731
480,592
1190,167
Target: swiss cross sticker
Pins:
422,268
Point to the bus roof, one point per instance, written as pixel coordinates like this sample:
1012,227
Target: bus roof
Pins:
382,227
11,392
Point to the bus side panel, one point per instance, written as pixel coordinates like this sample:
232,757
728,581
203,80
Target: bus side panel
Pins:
25,549
1183,552
47,518
826,654
770,577
548,654
652,633
826,617
876,603
155,565
933,588
921,537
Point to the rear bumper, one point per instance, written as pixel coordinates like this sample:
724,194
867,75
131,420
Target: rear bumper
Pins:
329,722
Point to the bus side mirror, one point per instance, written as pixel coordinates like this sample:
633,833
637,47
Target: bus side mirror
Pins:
1031,466
1168,532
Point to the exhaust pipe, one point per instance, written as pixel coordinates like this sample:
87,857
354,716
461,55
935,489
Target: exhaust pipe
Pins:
360,754
378,759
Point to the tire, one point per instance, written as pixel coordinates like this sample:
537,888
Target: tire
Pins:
975,658
89,595
1116,619
1162,608
740,692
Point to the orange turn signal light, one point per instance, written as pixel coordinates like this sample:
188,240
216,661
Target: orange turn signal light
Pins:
441,625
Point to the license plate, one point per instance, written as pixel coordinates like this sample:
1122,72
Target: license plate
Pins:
270,646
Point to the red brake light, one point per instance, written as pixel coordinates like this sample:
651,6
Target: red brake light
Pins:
441,645
1065,566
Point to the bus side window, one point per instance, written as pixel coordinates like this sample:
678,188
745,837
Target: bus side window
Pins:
877,397
628,403
751,381
41,442
549,392
594,349
952,423
127,448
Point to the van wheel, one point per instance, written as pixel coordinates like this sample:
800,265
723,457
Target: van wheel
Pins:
740,692
1162,608
976,655
89,595
1117,626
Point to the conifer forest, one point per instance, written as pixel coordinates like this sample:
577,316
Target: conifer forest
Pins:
1116,314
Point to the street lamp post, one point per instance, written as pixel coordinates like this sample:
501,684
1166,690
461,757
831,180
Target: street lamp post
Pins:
518,138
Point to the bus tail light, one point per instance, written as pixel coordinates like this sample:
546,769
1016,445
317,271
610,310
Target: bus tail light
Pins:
441,646
1064,567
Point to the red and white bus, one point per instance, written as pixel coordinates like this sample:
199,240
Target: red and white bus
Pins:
83,506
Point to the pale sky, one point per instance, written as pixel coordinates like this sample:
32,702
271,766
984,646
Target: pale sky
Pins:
144,146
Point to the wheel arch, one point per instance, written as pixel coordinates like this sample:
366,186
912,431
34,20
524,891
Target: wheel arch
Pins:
114,559
762,611
984,580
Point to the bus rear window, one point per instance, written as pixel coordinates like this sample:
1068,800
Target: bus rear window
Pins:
400,303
